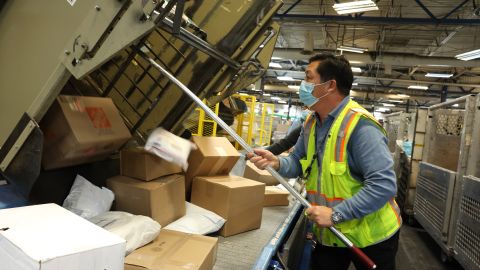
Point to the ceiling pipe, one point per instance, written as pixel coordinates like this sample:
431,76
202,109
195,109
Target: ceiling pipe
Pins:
394,59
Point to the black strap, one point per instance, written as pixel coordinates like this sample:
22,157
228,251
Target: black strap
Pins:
307,172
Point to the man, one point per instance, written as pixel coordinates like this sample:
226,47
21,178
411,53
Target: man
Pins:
342,153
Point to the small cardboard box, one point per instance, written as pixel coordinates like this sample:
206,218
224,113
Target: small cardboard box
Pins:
174,251
162,199
275,196
237,199
48,236
81,129
140,164
254,173
214,156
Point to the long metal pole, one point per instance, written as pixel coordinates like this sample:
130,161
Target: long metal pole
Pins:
362,256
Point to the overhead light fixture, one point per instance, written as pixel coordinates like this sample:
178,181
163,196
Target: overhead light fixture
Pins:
468,55
403,96
355,7
276,58
297,93
355,62
274,65
354,69
275,98
419,87
439,75
382,109
388,105
285,78
354,84
352,49
455,105
395,101
282,102
295,87
266,94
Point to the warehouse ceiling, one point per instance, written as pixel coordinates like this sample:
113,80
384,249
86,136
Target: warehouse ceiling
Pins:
404,40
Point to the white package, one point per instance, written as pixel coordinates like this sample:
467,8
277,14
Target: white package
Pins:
169,147
87,200
197,220
135,229
49,237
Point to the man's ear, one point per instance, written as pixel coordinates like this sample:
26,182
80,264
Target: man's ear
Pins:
332,86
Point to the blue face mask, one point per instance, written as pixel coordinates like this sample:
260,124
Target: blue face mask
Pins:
305,93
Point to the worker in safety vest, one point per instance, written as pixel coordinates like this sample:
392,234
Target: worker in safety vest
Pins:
342,154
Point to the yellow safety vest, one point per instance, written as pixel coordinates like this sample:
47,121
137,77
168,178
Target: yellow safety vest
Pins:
337,184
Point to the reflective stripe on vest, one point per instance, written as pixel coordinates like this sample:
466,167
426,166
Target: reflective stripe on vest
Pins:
337,184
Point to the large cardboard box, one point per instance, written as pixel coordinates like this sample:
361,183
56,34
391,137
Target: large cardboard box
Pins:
174,251
254,173
140,164
214,156
50,237
162,199
237,199
275,196
81,129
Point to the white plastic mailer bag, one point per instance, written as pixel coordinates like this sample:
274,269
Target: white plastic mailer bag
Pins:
87,200
197,220
136,230
169,147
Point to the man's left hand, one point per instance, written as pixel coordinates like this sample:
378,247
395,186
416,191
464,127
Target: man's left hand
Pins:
321,215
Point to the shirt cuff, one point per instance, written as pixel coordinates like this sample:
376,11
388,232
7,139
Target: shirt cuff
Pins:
283,166
344,210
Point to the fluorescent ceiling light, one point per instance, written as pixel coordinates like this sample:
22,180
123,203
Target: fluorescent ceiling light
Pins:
468,55
388,105
403,95
266,94
352,49
439,75
285,78
455,105
382,109
354,84
282,102
297,93
355,62
276,58
275,98
355,69
355,6
295,87
396,101
419,87
274,65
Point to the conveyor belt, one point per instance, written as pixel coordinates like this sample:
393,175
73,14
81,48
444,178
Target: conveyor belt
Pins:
242,250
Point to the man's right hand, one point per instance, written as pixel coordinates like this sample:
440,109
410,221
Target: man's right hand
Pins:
263,159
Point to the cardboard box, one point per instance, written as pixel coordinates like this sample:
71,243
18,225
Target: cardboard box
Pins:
140,164
81,129
254,173
174,251
237,199
48,236
162,199
275,196
214,156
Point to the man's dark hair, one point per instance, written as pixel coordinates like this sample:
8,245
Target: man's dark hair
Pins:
336,68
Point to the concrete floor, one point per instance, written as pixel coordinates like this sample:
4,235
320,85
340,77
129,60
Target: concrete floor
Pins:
417,250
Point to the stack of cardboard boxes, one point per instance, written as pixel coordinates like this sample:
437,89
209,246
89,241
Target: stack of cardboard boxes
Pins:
237,199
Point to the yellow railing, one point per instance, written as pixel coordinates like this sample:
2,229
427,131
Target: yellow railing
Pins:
200,124
246,120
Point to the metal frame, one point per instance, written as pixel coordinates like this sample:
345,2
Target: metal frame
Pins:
467,241
467,159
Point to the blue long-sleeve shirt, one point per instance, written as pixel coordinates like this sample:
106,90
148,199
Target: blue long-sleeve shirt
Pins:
369,160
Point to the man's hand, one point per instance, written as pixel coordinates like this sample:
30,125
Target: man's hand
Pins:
263,159
321,215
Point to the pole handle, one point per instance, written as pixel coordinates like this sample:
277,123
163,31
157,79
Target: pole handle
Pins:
363,257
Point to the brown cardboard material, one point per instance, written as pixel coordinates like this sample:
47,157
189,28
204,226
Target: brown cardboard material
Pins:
254,173
175,251
237,199
81,129
214,156
140,164
162,199
275,196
